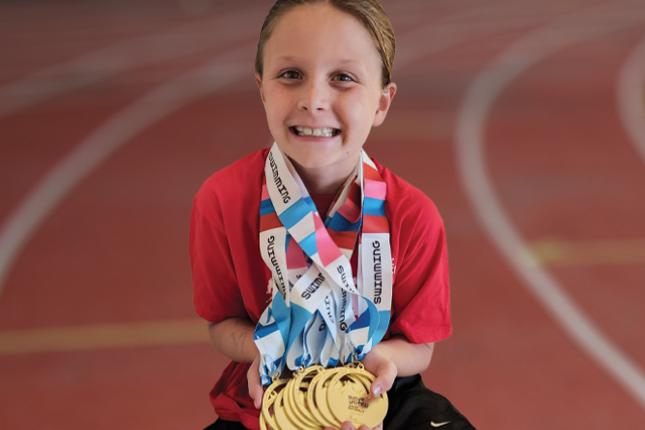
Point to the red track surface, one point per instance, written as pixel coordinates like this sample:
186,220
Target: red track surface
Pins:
114,249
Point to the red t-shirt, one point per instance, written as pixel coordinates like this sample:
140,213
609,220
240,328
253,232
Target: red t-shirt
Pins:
230,279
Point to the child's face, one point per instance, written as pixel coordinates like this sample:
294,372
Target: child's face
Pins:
321,87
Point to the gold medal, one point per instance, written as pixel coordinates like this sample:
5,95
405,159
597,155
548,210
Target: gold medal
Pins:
320,397
295,398
348,395
268,401
362,375
316,397
288,409
310,398
282,421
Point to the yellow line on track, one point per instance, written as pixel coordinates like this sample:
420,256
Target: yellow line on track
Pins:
602,252
89,337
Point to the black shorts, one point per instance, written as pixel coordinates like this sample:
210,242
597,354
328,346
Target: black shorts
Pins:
411,406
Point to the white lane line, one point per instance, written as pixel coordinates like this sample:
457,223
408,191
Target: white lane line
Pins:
99,65
454,29
478,102
109,137
631,97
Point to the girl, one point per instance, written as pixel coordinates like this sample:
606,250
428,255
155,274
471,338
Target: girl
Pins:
315,219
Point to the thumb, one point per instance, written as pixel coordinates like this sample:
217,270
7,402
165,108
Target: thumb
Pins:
384,378
255,386
256,394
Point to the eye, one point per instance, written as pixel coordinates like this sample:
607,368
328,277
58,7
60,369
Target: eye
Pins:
343,77
290,75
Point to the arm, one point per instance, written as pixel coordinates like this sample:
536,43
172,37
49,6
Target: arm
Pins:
396,357
233,337
408,358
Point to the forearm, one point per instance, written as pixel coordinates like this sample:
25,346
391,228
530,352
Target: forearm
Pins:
409,358
233,337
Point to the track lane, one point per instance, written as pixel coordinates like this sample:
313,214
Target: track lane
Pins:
128,388
524,54
100,64
49,35
596,200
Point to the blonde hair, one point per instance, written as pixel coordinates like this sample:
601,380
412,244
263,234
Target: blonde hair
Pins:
369,12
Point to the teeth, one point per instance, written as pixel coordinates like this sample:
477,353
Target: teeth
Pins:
316,132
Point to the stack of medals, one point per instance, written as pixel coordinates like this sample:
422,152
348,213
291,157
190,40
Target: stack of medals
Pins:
312,286
316,397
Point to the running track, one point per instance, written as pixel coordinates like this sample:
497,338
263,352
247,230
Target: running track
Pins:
524,121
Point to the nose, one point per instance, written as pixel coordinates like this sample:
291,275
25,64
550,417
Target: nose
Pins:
314,96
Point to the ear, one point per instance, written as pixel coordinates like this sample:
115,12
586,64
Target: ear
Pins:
384,102
258,82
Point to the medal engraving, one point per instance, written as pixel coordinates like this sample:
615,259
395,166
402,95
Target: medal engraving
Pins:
348,399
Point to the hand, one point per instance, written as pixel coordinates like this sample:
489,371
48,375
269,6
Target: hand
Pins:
383,368
255,385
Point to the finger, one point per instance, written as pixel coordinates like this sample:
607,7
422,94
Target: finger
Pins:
256,394
255,386
384,380
347,425
364,427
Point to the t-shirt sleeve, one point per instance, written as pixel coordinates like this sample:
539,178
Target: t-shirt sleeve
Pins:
216,294
421,291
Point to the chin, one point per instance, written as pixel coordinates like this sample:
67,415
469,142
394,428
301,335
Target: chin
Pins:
309,158
312,161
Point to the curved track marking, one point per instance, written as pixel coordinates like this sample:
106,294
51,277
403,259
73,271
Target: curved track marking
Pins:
455,29
631,97
90,68
114,133
437,36
479,100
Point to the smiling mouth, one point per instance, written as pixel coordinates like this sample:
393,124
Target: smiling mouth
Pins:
315,132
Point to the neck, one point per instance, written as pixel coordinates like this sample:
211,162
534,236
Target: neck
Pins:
324,180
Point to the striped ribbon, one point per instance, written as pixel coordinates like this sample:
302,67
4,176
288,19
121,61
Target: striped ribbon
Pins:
318,313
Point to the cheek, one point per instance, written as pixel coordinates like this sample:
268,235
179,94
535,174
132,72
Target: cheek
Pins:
359,109
275,113
275,100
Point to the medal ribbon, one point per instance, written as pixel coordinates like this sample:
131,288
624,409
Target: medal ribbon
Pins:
318,314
